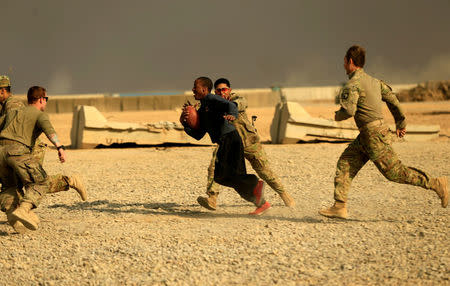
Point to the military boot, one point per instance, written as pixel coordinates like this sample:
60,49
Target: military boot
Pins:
338,210
17,225
76,183
210,202
25,215
287,199
439,185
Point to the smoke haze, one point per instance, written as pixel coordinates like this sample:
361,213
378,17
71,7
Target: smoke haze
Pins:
130,46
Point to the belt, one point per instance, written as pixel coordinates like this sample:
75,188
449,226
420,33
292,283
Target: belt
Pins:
4,141
377,122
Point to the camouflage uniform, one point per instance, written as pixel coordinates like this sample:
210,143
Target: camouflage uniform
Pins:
253,151
18,167
23,178
56,183
362,98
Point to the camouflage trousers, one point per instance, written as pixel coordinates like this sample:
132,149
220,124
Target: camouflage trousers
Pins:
56,183
258,159
11,196
20,170
374,144
23,178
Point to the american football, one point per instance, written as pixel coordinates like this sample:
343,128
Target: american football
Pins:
192,119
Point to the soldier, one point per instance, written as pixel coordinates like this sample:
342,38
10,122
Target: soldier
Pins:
24,181
362,98
253,151
57,183
215,114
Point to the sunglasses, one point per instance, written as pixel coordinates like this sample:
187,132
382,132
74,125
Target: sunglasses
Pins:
223,89
46,98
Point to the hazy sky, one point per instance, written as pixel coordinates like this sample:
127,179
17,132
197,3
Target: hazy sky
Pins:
130,46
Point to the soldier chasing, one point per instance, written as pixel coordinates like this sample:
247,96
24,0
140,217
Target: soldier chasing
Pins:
253,151
57,183
362,98
24,181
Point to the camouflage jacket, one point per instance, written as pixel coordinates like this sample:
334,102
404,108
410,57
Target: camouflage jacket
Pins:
9,104
243,125
362,98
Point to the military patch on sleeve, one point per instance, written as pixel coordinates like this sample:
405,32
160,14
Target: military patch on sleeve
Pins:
344,94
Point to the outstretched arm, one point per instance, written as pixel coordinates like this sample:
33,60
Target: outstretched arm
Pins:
55,141
47,127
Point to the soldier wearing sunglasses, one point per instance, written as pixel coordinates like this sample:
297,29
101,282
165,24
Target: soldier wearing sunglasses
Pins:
253,151
12,191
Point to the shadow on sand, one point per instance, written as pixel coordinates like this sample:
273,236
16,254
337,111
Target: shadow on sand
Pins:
173,209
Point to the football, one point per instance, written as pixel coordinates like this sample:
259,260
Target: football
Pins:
192,119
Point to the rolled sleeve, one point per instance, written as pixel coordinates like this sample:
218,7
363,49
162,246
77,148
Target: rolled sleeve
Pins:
45,125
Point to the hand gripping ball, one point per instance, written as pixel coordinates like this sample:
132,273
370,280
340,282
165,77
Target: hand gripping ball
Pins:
192,119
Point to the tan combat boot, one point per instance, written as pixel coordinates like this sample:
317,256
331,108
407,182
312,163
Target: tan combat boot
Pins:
17,225
25,215
210,202
76,183
287,199
338,210
439,185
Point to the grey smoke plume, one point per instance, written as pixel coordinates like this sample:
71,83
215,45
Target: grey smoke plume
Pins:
128,46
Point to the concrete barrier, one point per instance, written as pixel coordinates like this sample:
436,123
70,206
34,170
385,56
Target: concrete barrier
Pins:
130,103
262,97
113,104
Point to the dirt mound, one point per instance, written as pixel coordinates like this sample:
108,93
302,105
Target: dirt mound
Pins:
428,91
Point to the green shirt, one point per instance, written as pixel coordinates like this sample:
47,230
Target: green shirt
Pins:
362,98
25,125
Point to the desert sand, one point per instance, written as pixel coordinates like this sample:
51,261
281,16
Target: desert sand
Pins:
141,224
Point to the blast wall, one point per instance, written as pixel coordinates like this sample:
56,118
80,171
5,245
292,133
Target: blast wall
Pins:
264,97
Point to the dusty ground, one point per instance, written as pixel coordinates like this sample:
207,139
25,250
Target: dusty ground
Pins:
142,225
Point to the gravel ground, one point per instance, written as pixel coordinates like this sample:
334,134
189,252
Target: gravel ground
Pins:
142,225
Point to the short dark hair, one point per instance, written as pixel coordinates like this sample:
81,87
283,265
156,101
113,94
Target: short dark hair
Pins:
34,93
205,81
357,54
222,80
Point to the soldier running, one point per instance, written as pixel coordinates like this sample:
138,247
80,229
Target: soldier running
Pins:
24,181
362,97
253,151
57,183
